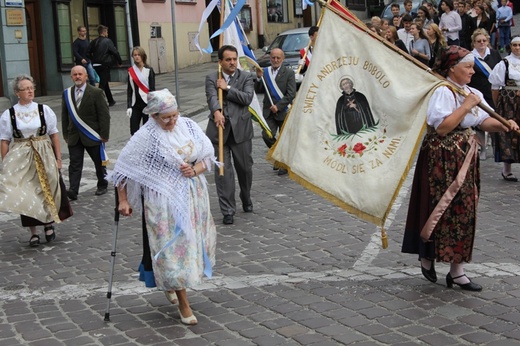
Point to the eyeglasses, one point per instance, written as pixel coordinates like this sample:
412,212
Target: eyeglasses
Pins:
515,45
28,89
481,41
166,120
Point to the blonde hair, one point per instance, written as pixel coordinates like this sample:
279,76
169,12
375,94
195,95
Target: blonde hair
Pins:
438,35
479,32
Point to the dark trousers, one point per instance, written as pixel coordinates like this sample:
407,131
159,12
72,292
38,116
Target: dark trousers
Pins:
76,154
243,162
274,126
135,119
104,77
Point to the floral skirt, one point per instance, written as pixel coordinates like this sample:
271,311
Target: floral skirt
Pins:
507,144
181,264
439,162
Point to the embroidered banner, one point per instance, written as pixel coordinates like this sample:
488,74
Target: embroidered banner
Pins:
356,121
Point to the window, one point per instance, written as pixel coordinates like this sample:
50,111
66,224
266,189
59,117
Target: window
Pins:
277,11
358,5
121,32
64,34
69,14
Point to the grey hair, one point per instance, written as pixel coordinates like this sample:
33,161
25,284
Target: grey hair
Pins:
16,81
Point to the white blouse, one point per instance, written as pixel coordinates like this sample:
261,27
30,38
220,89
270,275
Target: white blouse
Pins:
497,78
27,121
444,102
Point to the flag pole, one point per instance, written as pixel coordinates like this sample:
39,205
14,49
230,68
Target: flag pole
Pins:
256,67
309,44
460,91
221,96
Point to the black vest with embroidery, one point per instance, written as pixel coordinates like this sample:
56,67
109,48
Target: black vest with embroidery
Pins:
17,133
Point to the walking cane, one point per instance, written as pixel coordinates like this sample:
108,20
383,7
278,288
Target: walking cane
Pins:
113,255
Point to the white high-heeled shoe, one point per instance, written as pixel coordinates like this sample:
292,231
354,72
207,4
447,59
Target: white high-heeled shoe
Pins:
190,320
171,296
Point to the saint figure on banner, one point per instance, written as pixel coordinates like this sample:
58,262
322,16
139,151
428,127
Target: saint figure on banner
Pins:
352,110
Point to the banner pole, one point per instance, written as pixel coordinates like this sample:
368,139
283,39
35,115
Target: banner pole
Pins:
221,96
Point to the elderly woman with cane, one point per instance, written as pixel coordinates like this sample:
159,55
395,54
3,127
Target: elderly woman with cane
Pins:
163,164
441,221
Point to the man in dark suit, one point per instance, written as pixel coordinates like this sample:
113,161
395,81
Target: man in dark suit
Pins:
87,106
238,90
281,89
104,55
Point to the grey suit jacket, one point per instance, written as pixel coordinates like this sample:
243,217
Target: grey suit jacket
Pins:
236,103
93,110
287,85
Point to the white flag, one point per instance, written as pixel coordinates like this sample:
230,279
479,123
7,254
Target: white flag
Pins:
356,121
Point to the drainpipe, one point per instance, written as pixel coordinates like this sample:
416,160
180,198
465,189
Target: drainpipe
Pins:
260,23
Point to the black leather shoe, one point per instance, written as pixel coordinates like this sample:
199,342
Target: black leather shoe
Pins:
282,171
228,220
113,103
248,208
470,286
101,191
72,195
49,237
34,241
430,274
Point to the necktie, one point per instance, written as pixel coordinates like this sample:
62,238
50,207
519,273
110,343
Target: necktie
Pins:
79,96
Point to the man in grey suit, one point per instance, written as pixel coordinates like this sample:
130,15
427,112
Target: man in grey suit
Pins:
91,107
238,90
281,86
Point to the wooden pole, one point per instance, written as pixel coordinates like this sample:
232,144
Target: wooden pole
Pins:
221,95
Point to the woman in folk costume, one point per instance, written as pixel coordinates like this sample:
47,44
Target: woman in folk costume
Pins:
162,164
141,80
31,157
441,219
505,88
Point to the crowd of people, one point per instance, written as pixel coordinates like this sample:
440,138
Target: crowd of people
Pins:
480,26
456,21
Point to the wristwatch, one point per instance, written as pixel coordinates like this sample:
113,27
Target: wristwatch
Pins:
229,87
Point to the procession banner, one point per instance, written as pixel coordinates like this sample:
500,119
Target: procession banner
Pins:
357,119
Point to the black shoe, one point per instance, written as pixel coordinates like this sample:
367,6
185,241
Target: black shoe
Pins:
49,237
228,220
72,195
248,208
470,286
282,171
509,177
275,168
430,274
110,104
101,191
34,241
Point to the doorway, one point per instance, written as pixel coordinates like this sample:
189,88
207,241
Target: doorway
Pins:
34,45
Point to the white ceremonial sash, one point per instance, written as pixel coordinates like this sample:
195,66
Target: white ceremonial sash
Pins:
81,125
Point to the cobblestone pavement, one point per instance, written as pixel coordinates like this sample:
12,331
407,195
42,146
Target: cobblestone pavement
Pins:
297,271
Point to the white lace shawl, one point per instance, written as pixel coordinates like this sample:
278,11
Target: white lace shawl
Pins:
148,166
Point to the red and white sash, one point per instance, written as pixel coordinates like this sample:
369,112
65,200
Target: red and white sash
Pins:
140,81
